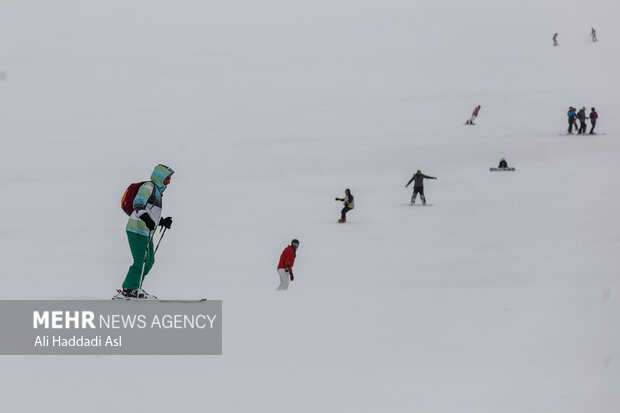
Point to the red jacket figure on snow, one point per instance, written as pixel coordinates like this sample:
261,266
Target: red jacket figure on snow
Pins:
285,266
287,259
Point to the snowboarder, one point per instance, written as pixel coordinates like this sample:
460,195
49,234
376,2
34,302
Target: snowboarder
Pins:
593,35
418,186
581,115
140,229
572,115
285,266
593,118
503,163
555,39
349,204
474,115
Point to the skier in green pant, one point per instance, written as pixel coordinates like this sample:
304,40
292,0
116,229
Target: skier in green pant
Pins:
140,228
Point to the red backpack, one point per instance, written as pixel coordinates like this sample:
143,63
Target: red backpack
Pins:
130,195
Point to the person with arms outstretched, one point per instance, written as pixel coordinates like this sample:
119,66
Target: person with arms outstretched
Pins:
418,186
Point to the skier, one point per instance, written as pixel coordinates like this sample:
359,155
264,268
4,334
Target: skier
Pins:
474,115
503,163
285,266
593,118
418,186
555,39
349,204
593,35
572,115
581,115
140,229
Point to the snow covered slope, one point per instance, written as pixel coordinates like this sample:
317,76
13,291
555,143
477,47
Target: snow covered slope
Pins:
501,297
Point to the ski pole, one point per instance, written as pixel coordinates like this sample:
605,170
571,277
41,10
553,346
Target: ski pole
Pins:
146,252
159,242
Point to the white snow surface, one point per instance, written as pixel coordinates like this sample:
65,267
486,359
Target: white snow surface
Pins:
504,296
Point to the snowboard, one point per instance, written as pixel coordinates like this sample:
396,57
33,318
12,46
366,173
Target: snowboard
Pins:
501,169
582,134
417,205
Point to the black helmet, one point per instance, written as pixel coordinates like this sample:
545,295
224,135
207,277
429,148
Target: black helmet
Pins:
347,191
295,243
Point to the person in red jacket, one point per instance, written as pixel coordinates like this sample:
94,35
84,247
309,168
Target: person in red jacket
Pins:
285,266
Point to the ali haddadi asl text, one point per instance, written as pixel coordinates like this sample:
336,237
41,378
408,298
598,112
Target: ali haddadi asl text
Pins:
78,341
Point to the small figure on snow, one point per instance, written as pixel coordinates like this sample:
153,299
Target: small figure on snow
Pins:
418,186
555,39
593,118
502,167
581,115
572,116
285,266
349,204
593,35
474,115
140,229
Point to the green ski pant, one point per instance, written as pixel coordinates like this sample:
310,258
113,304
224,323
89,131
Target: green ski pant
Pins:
138,246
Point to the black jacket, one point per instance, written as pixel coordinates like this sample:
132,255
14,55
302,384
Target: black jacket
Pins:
581,115
418,180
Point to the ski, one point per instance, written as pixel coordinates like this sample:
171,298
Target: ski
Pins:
120,297
200,300
501,169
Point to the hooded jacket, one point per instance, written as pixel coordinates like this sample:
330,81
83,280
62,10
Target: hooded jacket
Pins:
571,113
148,200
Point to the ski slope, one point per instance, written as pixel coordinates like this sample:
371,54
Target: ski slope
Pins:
504,296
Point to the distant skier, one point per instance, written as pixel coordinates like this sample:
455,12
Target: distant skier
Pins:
474,115
581,116
593,35
285,266
555,39
572,116
418,186
349,204
593,118
140,228
503,163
